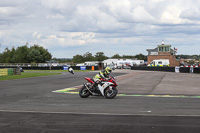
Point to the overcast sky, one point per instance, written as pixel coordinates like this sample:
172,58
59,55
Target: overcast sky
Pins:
125,27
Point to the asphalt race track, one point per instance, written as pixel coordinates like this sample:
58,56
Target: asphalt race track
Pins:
148,102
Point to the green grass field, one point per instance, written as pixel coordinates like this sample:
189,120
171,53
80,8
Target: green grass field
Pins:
26,75
37,73
56,70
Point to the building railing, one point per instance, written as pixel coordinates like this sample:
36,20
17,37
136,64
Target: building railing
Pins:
153,53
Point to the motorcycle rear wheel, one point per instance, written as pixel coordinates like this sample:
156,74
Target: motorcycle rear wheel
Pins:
84,92
109,94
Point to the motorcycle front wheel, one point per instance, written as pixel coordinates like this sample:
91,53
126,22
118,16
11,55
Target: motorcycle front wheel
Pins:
84,92
110,92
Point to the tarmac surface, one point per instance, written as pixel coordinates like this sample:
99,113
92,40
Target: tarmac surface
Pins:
149,102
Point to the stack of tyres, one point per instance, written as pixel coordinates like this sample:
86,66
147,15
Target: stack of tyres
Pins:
10,71
17,71
3,72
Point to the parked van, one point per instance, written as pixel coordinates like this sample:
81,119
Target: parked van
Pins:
159,62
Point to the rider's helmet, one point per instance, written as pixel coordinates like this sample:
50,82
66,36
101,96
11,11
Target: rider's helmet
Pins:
108,70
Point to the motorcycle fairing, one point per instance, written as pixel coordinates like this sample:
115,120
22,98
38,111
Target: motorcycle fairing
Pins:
89,80
102,87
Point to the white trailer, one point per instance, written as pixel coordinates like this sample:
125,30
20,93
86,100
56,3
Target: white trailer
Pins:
111,63
129,62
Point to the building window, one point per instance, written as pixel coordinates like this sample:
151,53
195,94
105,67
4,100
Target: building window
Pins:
166,49
160,49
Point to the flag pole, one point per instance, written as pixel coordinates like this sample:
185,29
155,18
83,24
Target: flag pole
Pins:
174,56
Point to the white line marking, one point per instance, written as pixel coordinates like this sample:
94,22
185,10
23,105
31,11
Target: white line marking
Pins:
82,113
79,85
149,111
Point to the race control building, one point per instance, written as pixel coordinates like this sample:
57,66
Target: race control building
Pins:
163,52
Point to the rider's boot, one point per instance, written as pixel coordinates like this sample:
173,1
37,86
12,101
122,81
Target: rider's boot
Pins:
94,87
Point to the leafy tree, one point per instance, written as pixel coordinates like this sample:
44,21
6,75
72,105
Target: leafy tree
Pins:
128,56
62,60
116,56
24,54
100,56
141,57
88,57
21,54
38,54
1,57
138,56
197,57
12,55
6,55
77,59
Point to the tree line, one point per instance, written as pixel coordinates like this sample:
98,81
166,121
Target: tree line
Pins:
196,57
25,54
100,56
37,54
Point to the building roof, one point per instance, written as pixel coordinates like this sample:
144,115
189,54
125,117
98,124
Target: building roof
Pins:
163,45
153,50
156,49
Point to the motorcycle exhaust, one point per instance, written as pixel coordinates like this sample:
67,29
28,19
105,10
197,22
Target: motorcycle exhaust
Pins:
89,90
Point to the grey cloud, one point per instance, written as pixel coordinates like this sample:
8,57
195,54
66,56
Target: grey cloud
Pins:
7,3
109,22
191,14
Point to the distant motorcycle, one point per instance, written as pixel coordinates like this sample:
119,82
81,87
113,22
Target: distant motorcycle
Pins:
106,88
70,70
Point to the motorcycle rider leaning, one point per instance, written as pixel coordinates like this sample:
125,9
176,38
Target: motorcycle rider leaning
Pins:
103,74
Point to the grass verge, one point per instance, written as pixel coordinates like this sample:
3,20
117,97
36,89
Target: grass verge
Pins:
57,70
26,75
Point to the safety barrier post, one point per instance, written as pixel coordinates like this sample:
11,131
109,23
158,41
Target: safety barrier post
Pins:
82,67
191,69
93,68
177,69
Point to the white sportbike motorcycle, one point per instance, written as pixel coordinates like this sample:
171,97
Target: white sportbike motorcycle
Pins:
106,88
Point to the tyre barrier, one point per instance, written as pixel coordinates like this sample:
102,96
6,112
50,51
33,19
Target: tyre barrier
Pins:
9,71
3,72
54,67
168,69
